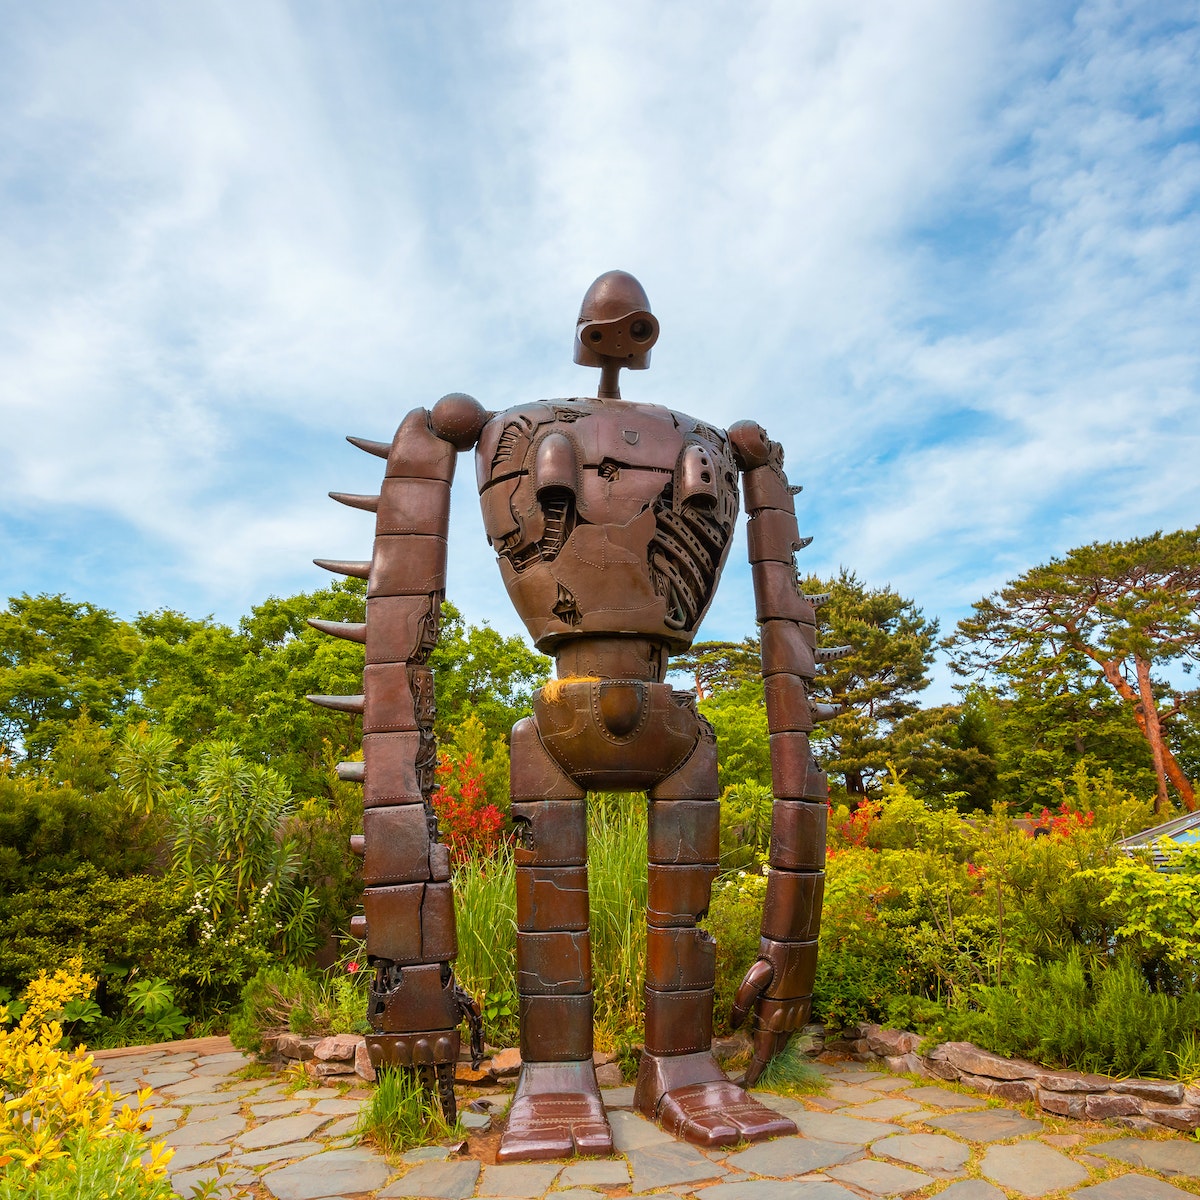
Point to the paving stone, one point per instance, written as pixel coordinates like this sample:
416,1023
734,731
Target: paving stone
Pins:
971,1189
991,1125
882,1110
475,1121
185,1087
891,1083
944,1098
342,1128
324,1093
633,1132
1062,1139
164,1116
786,1106
210,1112
193,1156
207,1099
216,1068
282,1129
834,1128
775,1189
1174,1157
1131,1187
825,1103
932,1152
336,1172
579,1194
157,1079
201,1133
273,1091
848,1094
618,1097
259,1158
518,1179
278,1108
426,1154
607,1172
880,1179
183,1182
437,1180
1031,1168
338,1107
664,1166
229,1056
787,1156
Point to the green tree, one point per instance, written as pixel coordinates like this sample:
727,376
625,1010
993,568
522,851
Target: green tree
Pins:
891,650
479,671
948,755
58,659
720,666
1123,611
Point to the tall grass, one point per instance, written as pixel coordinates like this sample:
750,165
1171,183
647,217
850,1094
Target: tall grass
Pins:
487,916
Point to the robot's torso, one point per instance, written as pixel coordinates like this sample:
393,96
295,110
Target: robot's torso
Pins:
609,518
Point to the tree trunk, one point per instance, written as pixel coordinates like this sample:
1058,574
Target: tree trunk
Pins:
1145,713
854,783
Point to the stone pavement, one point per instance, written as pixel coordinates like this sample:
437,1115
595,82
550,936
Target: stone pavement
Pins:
872,1134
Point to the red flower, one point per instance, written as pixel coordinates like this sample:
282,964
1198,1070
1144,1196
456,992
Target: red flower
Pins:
353,966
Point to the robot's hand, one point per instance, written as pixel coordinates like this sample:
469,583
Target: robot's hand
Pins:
469,1008
774,1020
754,983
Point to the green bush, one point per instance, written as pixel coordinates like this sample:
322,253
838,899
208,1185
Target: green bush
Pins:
1104,1019
125,930
306,1002
108,1167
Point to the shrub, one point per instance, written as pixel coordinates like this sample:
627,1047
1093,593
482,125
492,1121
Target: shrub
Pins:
59,1136
1105,1019
124,930
306,1002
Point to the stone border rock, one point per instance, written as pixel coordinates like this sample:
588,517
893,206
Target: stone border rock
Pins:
1135,1103
1144,1104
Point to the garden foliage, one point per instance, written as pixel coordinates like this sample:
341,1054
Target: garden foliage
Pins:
61,1135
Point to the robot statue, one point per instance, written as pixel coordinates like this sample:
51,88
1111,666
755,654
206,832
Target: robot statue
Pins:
611,521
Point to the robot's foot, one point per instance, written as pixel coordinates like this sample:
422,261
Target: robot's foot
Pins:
557,1112
690,1097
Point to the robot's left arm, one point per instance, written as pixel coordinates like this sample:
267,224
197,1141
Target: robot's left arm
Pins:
415,1004
778,987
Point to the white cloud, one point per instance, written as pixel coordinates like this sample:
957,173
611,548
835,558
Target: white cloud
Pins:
946,253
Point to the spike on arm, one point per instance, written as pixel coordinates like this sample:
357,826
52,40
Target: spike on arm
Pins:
350,704
351,631
379,449
366,503
818,600
358,570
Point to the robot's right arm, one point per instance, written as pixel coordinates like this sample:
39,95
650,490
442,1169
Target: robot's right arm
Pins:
778,987
415,1005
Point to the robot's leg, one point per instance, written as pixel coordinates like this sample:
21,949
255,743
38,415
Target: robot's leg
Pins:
679,1083
557,1109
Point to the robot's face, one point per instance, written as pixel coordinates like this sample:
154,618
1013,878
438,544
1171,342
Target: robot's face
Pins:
615,323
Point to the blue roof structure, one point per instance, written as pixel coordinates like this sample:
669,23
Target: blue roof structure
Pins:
1162,839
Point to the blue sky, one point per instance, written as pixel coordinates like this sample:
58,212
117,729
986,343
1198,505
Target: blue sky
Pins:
947,253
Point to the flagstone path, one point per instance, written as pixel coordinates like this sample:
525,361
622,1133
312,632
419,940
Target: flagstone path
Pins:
871,1135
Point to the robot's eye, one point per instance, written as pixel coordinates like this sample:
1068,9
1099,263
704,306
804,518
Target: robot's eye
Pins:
595,335
640,331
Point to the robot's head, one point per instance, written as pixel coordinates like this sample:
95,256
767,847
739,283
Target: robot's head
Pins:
615,324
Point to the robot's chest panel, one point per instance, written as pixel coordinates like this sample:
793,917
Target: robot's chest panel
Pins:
606,516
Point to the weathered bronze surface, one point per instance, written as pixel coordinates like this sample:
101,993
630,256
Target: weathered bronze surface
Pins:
611,522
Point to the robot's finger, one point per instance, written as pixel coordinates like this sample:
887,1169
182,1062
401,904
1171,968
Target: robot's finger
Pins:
752,986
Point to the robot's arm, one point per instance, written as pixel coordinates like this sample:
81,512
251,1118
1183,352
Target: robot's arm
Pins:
778,987
415,1005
